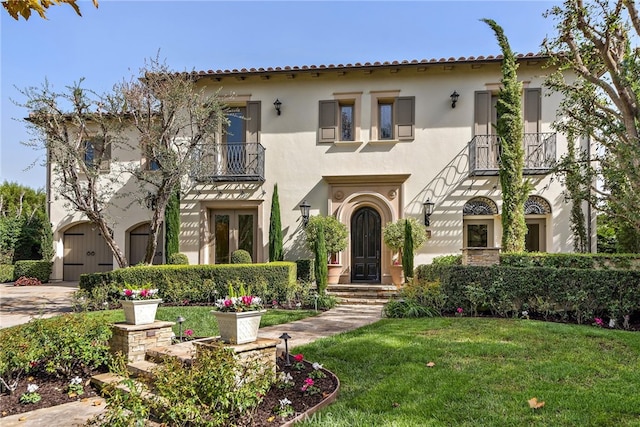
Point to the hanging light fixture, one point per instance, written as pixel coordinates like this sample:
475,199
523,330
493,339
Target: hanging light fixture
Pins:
277,104
454,98
427,207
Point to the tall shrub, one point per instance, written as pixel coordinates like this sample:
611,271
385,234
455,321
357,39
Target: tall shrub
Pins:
275,229
172,225
510,131
407,254
320,266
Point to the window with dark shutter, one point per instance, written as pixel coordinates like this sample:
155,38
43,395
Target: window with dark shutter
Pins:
328,123
405,117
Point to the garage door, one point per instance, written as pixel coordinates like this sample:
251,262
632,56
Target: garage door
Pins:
138,245
85,251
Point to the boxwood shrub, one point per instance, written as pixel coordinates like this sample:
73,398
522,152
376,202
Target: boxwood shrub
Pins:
6,273
305,270
41,270
198,283
565,293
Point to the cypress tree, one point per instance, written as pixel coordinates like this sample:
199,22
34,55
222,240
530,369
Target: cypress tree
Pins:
320,266
275,229
407,253
172,225
515,190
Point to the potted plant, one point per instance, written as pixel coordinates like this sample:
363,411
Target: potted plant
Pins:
238,316
393,235
335,235
139,303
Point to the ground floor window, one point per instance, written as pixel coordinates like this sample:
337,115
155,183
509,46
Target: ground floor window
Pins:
535,240
233,230
478,233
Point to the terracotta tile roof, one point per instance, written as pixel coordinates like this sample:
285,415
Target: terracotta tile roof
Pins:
365,65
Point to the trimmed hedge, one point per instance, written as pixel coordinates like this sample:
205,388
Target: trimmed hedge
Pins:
568,293
178,259
572,260
41,270
6,273
198,283
305,270
241,256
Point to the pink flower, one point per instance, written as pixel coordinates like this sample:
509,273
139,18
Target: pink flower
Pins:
308,382
298,357
598,321
459,310
188,332
247,299
228,303
144,293
128,293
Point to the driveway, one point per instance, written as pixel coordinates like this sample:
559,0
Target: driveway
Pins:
19,304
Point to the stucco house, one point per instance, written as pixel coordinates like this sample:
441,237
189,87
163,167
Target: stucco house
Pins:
368,143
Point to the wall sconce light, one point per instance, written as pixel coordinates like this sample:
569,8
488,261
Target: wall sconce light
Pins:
286,339
304,212
427,207
454,98
277,104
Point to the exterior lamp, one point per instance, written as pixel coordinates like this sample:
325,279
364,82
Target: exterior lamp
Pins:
180,320
286,339
454,98
277,104
304,212
427,207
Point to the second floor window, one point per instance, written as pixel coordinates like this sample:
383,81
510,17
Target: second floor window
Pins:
346,122
97,154
385,120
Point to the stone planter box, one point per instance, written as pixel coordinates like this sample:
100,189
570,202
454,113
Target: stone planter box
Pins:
140,312
238,328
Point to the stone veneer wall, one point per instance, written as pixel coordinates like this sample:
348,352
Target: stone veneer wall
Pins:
480,256
260,353
134,340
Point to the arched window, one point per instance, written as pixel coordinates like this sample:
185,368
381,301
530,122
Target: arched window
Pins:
480,206
536,205
478,218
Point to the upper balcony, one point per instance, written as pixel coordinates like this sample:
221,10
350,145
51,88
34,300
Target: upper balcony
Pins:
229,162
539,154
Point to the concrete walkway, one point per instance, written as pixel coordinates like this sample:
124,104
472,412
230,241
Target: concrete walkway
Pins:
20,304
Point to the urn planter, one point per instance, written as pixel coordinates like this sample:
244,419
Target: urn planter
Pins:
334,271
238,327
140,312
397,275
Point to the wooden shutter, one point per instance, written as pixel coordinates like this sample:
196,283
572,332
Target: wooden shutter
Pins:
328,123
405,117
482,113
105,155
253,121
532,110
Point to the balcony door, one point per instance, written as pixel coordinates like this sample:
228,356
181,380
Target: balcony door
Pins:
233,230
235,139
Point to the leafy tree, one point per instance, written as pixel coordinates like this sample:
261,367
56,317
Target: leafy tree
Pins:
593,40
407,255
275,229
509,128
393,234
162,114
18,8
172,225
320,266
23,219
335,233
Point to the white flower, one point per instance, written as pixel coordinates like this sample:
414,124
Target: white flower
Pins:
298,305
285,377
316,366
76,380
31,388
285,402
525,313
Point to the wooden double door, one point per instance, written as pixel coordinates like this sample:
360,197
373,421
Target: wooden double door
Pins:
366,238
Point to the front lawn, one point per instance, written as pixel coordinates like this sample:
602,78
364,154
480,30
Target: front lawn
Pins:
484,373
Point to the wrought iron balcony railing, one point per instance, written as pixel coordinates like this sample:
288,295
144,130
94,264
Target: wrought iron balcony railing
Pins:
229,162
539,154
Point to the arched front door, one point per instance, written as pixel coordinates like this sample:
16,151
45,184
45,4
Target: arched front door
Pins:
365,245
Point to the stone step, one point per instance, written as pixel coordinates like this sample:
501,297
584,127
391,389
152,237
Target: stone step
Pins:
361,301
362,294
142,368
109,379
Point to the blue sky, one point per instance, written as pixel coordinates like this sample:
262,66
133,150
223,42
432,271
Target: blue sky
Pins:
108,44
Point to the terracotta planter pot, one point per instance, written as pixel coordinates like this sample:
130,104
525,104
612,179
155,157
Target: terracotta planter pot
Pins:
238,328
334,270
140,312
397,275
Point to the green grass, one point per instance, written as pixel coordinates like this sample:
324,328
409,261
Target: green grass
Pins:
203,323
485,372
